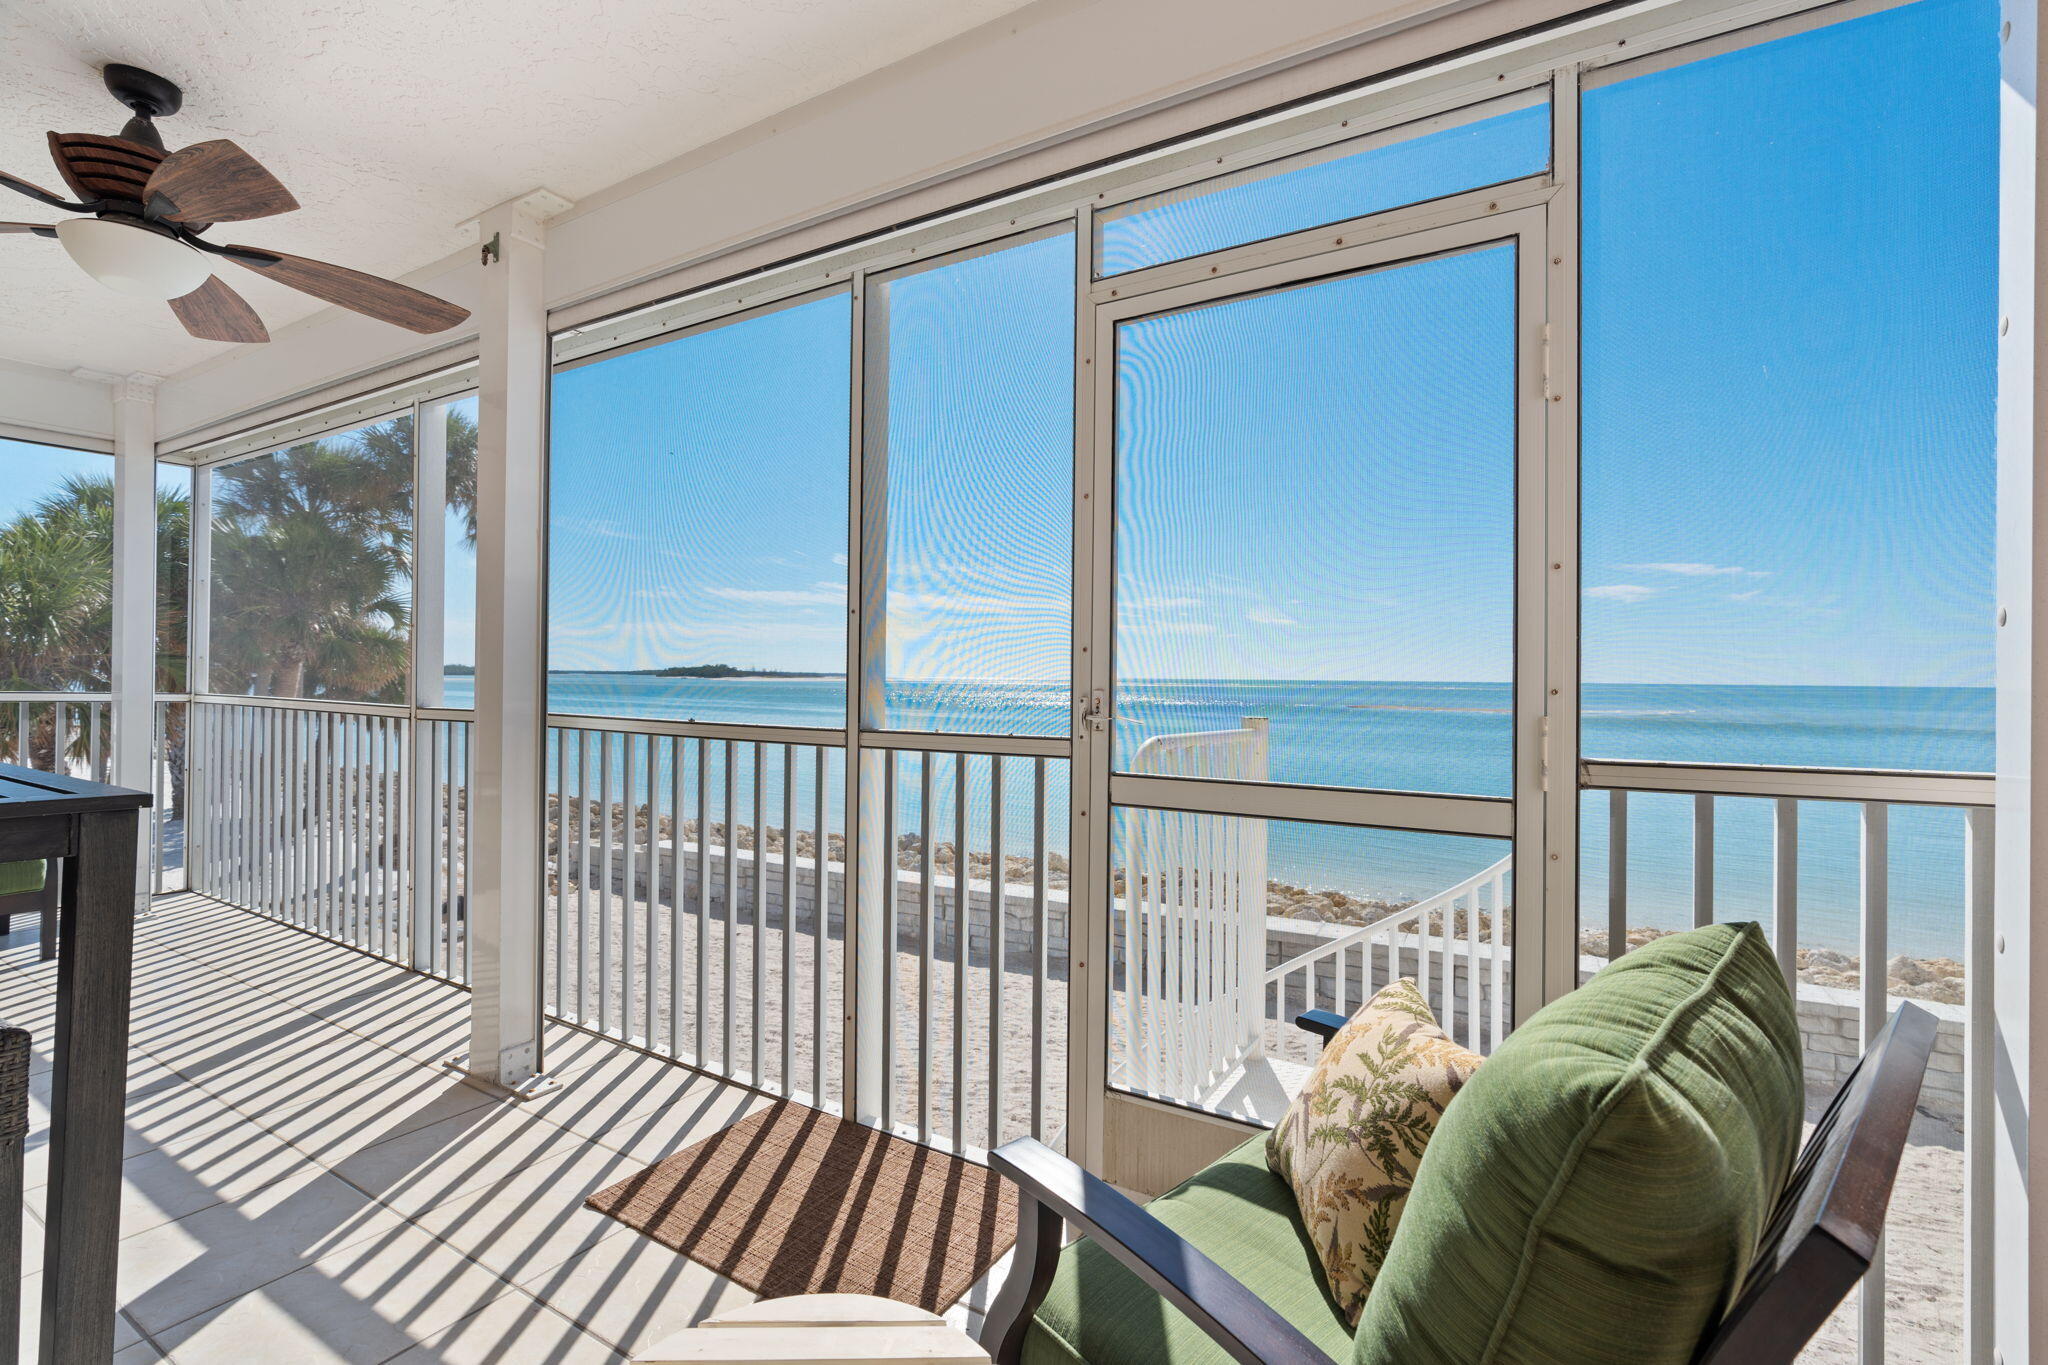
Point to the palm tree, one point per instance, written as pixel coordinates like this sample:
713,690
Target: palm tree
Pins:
56,599
312,553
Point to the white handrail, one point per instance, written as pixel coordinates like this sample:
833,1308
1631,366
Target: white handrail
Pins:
1436,958
1194,920
1396,920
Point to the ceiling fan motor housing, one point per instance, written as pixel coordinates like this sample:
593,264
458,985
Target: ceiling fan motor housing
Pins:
148,95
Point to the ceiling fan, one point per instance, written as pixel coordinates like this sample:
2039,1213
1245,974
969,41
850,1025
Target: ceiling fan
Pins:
149,208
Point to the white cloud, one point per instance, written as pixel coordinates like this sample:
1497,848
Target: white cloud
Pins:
1260,616
840,560
1623,592
1689,569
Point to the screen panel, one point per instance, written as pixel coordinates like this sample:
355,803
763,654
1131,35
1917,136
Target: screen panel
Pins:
697,524
1486,144
1314,529
971,372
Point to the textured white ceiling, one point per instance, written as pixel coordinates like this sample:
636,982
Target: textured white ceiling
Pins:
393,121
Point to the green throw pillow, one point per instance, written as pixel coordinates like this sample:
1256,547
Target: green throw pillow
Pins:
1597,1189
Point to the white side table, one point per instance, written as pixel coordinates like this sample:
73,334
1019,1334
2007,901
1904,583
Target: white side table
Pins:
819,1329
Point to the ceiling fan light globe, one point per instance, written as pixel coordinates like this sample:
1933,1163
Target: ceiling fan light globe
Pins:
133,260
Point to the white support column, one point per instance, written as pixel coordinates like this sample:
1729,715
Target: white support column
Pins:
511,691
134,614
2019,1232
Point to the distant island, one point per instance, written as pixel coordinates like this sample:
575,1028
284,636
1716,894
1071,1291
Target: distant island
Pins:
697,671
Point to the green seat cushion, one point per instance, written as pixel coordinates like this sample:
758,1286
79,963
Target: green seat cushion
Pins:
16,878
1239,1214
1597,1189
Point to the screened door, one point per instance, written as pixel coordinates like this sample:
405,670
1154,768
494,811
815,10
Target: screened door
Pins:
1315,703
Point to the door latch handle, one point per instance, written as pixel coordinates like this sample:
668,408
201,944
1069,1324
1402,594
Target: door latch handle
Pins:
1095,716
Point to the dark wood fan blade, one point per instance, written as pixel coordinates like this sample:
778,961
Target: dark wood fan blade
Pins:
216,182
383,300
214,312
39,229
104,167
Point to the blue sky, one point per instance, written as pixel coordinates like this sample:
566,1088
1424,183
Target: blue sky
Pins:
29,472
698,499
1790,318
1789,322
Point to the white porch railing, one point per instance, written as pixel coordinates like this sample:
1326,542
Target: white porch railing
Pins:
346,819
686,915
73,732
1190,951
1454,945
1715,792
699,905
69,732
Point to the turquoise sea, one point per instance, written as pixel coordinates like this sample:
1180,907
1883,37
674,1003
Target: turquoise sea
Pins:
1450,737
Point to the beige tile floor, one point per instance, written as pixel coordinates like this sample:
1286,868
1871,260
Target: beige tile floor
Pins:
306,1183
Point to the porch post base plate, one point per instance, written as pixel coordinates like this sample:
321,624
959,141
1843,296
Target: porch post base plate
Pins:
532,1088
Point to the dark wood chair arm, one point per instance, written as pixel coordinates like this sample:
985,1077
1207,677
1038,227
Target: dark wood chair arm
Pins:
1052,1190
1323,1023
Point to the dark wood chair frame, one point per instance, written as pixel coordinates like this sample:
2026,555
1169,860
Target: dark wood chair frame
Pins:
1820,1240
41,903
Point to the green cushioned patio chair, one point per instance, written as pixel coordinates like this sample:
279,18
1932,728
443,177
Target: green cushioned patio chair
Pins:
1220,1268
28,888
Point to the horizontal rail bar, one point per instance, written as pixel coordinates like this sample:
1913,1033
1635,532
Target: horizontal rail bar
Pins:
1811,784
691,729
1484,816
1408,919
354,708
38,698
950,742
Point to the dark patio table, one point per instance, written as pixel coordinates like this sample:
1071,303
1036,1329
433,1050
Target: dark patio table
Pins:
91,830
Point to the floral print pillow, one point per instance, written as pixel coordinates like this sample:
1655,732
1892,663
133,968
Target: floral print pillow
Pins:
1349,1144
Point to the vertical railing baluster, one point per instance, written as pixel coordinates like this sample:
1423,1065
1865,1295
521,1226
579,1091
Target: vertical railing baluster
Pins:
891,884
702,1041
604,881
1875,912
927,947
788,919
1979,1136
561,872
1702,860
821,926
732,899
759,944
1785,888
960,937
652,977
629,836
997,1045
583,876
1497,987
1472,1030
1617,875
458,884
1042,960
678,875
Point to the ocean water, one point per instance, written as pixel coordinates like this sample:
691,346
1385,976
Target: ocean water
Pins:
1446,737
